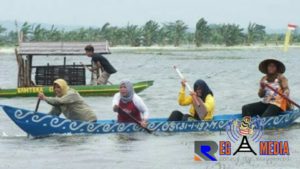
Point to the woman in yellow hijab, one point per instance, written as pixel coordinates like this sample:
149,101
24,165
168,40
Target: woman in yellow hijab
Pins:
69,102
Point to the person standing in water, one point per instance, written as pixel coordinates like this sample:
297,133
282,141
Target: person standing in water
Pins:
68,102
272,103
203,111
126,100
102,65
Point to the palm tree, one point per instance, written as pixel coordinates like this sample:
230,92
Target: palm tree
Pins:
215,36
202,32
2,39
164,35
39,33
177,31
117,36
54,34
133,34
232,34
256,32
150,32
26,30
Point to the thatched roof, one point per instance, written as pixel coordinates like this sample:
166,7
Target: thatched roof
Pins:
60,48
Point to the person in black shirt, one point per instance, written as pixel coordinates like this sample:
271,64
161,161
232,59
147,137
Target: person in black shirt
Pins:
101,63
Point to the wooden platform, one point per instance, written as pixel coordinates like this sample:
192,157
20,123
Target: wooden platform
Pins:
25,51
60,48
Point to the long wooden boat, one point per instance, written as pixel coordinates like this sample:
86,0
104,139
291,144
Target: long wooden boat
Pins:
41,124
99,90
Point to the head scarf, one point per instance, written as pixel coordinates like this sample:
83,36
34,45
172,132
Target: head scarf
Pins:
204,88
130,91
63,85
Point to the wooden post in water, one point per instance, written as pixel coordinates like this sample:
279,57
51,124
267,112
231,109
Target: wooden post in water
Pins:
29,58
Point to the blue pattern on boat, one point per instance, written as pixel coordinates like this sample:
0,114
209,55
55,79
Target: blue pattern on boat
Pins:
40,124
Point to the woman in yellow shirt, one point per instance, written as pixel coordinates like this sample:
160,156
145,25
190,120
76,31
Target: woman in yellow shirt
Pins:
201,109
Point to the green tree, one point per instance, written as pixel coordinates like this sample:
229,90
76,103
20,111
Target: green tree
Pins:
26,30
180,30
2,38
133,35
117,36
176,31
164,35
150,33
12,38
255,33
39,33
54,34
202,32
215,36
232,34
113,34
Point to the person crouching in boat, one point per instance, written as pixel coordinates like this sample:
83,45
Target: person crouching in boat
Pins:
69,102
203,111
272,103
126,100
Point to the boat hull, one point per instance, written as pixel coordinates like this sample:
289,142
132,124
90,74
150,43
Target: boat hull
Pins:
40,124
100,90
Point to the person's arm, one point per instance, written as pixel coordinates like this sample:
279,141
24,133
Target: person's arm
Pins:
98,66
93,69
200,109
115,102
139,103
56,101
184,100
261,91
55,109
284,84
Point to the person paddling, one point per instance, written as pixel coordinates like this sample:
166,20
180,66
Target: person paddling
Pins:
127,101
272,103
68,102
203,111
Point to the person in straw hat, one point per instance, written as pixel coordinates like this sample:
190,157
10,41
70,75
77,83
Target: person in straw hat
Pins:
272,103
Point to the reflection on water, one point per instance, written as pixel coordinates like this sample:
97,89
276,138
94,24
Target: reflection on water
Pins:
232,75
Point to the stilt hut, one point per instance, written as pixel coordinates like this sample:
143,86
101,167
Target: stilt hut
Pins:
46,74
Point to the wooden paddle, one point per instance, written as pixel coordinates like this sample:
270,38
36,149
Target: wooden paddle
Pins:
196,102
135,120
187,85
282,95
37,105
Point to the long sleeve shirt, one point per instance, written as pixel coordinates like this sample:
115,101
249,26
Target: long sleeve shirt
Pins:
72,106
137,101
209,103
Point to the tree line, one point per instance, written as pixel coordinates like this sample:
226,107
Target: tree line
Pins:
151,33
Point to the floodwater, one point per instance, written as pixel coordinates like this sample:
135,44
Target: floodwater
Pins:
232,75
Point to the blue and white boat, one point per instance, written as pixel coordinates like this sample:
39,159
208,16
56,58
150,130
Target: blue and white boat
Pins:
41,124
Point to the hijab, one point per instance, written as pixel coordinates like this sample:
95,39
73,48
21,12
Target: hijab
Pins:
204,88
63,85
130,91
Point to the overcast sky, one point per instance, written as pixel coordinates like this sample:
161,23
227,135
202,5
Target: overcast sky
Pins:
272,13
